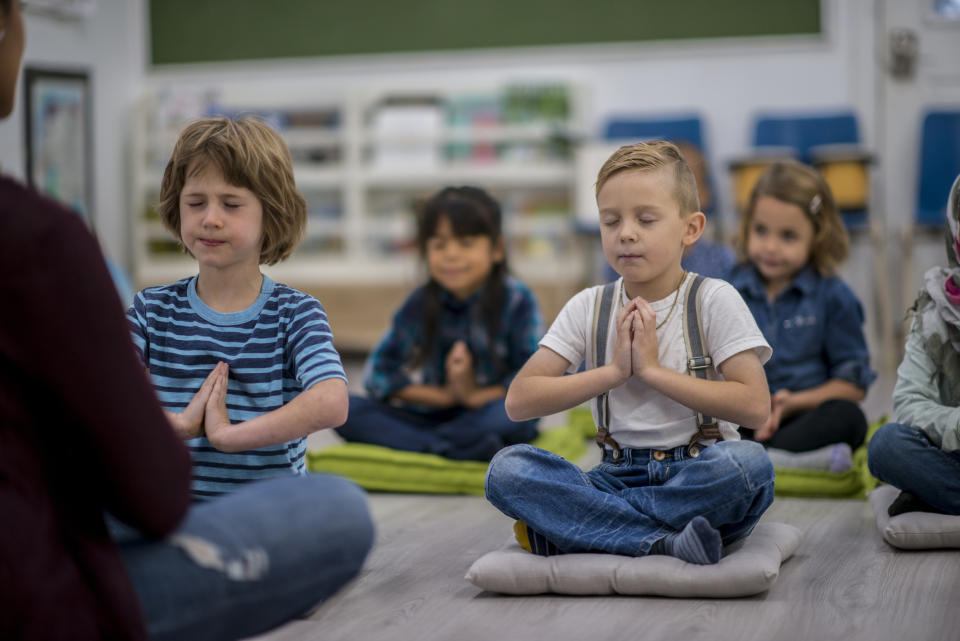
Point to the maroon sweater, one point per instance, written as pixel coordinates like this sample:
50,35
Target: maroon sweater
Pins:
80,432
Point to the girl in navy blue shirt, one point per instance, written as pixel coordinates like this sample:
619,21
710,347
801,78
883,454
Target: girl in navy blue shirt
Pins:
793,239
436,382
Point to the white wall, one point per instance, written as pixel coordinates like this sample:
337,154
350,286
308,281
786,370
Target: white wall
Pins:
726,81
108,44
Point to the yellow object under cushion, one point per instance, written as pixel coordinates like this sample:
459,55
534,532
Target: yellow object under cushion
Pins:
384,469
520,532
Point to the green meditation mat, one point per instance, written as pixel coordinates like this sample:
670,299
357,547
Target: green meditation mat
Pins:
383,469
855,483
387,470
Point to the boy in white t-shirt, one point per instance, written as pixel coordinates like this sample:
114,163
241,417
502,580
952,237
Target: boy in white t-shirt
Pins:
664,486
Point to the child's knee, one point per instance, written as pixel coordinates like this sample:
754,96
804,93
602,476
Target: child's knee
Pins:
887,443
510,461
848,418
888,438
331,495
748,453
751,458
508,468
879,442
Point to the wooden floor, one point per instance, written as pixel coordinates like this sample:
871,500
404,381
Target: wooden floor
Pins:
844,582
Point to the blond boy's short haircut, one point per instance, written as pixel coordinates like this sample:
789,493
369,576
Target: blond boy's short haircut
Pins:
801,185
251,155
655,154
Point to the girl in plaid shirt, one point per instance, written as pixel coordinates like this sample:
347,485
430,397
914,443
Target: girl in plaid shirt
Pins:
437,380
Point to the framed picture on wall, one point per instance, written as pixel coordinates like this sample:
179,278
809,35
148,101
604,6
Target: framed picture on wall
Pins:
58,136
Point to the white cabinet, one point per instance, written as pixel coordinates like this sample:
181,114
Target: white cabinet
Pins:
364,159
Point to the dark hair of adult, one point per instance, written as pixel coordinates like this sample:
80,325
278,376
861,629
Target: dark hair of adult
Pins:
471,212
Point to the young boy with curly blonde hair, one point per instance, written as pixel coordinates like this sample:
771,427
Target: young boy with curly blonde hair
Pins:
245,367
672,481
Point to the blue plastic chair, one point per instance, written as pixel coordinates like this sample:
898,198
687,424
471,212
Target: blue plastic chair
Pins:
676,129
939,165
802,132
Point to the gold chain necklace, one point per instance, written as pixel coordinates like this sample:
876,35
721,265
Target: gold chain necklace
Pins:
676,295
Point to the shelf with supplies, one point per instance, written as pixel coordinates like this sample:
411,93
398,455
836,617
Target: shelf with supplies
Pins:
364,160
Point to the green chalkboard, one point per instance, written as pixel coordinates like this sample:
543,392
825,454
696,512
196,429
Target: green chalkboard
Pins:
184,31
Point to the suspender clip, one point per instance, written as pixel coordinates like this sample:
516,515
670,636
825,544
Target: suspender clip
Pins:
603,439
699,362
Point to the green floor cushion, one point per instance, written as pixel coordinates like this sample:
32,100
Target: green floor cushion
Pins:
856,482
388,470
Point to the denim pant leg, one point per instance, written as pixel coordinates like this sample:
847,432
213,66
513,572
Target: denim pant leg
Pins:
730,484
249,561
558,499
904,457
377,423
472,425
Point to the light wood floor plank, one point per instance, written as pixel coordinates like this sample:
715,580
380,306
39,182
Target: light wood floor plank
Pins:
843,583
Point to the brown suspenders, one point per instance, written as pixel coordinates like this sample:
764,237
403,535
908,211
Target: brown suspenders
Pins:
697,362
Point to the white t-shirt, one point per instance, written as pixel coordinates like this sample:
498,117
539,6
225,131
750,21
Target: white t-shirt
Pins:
641,417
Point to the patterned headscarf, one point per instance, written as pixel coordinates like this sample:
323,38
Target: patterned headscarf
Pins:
940,296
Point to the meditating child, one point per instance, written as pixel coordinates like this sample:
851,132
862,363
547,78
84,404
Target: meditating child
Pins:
919,452
436,381
793,239
707,256
245,367
666,484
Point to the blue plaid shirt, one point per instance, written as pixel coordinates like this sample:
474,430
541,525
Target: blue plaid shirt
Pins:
388,369
815,327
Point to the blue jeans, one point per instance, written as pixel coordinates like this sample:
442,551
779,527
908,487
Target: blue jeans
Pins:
249,561
625,507
457,433
904,457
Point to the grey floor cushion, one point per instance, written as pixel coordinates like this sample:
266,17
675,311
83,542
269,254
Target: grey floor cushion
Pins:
748,567
913,530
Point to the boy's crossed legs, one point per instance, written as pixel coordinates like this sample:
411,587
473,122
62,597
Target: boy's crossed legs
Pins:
639,506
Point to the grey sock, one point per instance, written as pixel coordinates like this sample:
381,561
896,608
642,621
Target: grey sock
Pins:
837,457
698,543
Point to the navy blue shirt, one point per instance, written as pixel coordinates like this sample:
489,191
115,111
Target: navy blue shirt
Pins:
815,327
708,259
388,369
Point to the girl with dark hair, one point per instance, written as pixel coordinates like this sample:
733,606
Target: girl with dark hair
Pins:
437,380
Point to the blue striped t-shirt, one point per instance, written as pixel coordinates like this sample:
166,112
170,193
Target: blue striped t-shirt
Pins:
276,348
